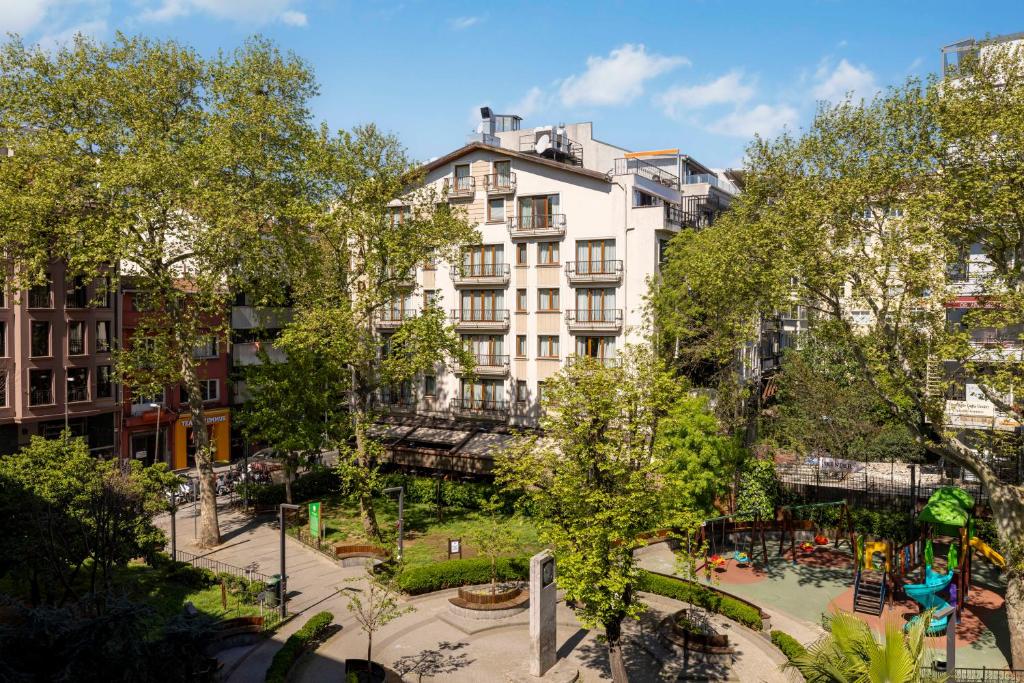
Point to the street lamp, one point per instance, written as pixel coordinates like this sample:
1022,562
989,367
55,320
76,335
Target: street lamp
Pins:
401,515
67,394
156,448
282,584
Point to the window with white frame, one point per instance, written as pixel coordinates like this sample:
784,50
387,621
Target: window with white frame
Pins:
206,348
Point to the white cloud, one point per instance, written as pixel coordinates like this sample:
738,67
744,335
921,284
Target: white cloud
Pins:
764,119
462,23
242,11
618,78
845,78
529,104
727,89
19,16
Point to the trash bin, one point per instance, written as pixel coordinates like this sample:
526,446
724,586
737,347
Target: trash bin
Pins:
272,595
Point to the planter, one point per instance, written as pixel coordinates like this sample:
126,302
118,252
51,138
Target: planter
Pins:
689,630
481,595
362,671
354,555
476,602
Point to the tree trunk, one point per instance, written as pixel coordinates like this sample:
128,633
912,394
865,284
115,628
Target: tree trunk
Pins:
1007,502
616,662
289,475
366,509
209,529
369,649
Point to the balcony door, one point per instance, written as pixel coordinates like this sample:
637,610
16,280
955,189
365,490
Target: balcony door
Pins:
482,304
462,178
503,174
400,308
593,256
482,394
482,260
538,212
595,304
595,347
485,347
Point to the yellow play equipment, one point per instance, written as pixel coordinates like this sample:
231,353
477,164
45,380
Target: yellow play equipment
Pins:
988,553
868,555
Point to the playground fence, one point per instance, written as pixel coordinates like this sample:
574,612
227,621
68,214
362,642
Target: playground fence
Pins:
984,675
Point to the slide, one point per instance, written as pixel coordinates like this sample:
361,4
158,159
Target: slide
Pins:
988,553
927,595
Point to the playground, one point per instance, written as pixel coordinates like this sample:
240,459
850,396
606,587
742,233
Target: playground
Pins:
793,567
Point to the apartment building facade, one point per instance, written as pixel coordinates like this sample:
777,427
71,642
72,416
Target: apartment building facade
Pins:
56,368
571,230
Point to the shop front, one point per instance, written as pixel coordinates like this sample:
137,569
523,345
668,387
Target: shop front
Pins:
218,425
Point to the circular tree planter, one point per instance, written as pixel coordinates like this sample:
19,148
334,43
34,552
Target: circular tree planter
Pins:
689,632
360,555
362,671
477,602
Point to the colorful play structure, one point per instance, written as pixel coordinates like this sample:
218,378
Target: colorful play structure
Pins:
717,532
948,513
795,518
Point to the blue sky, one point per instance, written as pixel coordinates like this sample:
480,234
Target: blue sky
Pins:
702,76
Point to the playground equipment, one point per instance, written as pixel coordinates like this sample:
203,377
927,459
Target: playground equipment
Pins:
871,585
718,531
927,594
986,551
795,518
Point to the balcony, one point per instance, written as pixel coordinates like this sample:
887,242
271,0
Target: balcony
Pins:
599,320
260,317
549,225
395,403
586,272
40,397
500,183
77,393
631,166
462,187
39,297
480,408
477,274
248,353
480,319
608,362
391,318
489,365
76,346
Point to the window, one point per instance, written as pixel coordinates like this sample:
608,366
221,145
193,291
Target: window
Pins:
431,262
104,382
596,305
641,199
595,257
521,345
209,389
39,296
502,175
76,338
399,214
3,298
894,212
75,295
40,338
105,292
463,181
3,388
521,390
547,346
430,385
521,300
102,336
521,259
40,387
3,338
595,347
78,385
483,305
547,253
431,297
483,261
538,213
496,210
207,348
540,393
547,299
140,401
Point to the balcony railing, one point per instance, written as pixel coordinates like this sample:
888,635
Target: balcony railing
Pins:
480,316
500,183
39,297
479,273
76,347
480,407
594,271
490,364
460,186
594,318
647,170
79,393
710,179
393,317
537,225
40,397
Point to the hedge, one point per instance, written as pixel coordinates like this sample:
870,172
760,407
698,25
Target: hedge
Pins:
788,644
700,596
296,644
428,578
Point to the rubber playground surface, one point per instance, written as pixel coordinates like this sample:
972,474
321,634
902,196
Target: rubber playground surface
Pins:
822,580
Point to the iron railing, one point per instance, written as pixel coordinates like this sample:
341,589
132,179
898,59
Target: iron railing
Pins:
460,186
586,316
482,270
491,360
204,562
561,147
396,315
611,267
986,675
481,405
551,223
480,315
76,346
77,393
39,297
40,397
607,361
76,298
647,170
499,183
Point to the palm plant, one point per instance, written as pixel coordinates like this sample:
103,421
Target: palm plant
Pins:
851,653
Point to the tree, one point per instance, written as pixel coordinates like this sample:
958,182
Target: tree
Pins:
873,210
376,607
379,224
296,406
850,652
592,481
493,538
140,160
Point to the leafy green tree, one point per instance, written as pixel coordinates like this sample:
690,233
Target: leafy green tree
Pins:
493,538
379,224
592,481
376,606
850,652
141,160
878,208
296,406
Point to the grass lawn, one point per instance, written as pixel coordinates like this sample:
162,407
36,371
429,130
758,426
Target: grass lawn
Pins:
426,539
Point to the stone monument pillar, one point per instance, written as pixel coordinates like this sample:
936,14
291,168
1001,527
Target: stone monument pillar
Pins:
543,646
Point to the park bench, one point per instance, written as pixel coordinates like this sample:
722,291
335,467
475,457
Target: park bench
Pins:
350,551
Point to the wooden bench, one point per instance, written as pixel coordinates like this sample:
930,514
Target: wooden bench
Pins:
349,551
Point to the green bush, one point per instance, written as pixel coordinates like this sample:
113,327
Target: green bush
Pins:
428,578
985,529
462,494
320,481
296,644
788,644
695,594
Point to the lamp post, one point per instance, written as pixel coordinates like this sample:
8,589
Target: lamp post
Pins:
174,526
401,515
156,447
282,585
67,395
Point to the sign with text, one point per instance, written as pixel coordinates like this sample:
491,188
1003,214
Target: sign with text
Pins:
314,520
454,547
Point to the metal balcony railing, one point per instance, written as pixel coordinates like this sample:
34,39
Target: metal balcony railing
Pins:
39,297
479,405
540,224
482,270
647,170
490,360
396,316
40,397
607,361
480,315
77,393
76,298
500,183
460,186
600,316
588,269
76,347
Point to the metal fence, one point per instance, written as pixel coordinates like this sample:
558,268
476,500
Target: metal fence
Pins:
984,675
203,562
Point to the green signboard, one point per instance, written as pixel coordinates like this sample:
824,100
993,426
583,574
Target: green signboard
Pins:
314,520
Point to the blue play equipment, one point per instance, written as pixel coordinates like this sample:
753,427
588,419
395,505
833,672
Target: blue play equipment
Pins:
927,595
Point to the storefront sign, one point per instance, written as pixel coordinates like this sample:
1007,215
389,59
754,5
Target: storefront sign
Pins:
209,420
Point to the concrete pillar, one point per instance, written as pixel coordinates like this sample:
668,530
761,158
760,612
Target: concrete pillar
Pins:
543,595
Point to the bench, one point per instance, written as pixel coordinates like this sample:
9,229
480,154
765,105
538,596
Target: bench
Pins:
373,553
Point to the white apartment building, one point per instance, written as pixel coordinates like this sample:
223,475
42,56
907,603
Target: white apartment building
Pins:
571,230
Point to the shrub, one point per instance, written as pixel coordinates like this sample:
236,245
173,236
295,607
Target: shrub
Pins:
695,594
428,578
321,481
788,644
297,643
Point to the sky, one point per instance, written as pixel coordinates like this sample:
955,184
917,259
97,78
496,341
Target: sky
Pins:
700,75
